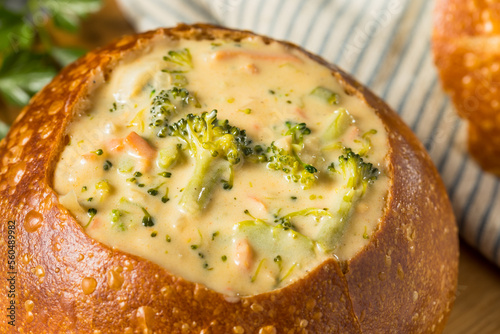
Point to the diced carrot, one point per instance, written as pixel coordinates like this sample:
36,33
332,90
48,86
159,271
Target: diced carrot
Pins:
301,113
250,68
115,144
259,204
243,254
88,157
95,224
136,146
353,133
228,54
139,147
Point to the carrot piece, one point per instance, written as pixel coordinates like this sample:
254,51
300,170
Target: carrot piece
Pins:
243,254
353,133
259,204
88,157
301,113
136,146
115,144
139,147
229,54
250,69
95,224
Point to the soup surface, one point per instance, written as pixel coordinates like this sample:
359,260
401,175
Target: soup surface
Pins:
238,165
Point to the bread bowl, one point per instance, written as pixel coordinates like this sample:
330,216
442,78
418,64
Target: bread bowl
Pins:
401,279
465,47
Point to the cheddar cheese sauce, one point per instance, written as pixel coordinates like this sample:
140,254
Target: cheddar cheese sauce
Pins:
237,165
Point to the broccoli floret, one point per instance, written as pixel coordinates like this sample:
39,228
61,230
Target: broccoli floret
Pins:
179,58
357,175
355,171
169,155
217,147
166,104
178,63
295,170
367,142
115,219
338,126
147,220
276,240
289,162
286,221
327,95
297,131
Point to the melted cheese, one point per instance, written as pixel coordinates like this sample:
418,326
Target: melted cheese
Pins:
266,231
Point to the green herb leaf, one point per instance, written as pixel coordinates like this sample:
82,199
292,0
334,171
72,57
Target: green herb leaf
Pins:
147,220
67,13
28,58
23,74
4,128
68,23
16,33
65,56
326,94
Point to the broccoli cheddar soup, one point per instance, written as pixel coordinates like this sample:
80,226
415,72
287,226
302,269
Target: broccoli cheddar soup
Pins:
237,165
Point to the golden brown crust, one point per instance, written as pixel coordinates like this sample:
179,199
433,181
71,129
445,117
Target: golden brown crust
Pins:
466,51
403,282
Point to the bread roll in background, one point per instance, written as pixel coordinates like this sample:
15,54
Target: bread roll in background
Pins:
466,46
403,281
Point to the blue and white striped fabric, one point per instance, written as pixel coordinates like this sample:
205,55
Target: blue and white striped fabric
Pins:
385,44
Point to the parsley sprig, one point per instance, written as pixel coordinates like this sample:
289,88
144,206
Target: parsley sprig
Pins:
28,57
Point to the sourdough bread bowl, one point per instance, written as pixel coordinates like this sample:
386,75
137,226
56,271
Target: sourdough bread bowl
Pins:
401,280
465,47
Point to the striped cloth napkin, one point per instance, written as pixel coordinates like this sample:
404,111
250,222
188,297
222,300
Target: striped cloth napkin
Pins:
385,44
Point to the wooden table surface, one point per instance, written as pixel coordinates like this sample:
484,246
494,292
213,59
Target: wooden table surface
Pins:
477,307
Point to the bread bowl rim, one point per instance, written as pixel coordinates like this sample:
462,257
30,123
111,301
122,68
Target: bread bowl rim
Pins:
129,44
